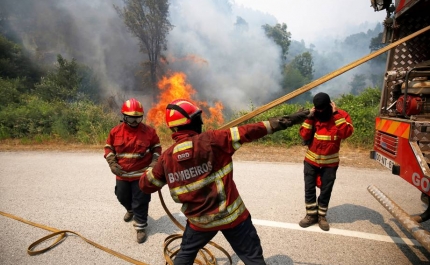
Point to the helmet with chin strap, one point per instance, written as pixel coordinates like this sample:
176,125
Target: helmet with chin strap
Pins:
181,112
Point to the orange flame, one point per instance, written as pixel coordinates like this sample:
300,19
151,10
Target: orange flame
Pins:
175,87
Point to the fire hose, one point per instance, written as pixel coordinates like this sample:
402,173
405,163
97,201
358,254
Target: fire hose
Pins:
61,236
211,260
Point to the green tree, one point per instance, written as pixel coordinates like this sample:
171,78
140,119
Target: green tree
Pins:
376,44
280,36
8,92
90,85
304,64
363,109
358,84
297,74
148,21
69,82
14,63
294,79
61,84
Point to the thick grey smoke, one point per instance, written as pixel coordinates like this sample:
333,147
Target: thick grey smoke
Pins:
242,64
235,62
89,31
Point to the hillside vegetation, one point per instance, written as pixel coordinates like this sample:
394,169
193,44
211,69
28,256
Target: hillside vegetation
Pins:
62,105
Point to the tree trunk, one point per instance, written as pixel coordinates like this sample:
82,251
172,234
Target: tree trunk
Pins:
154,82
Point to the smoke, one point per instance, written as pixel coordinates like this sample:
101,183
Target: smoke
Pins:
332,54
89,31
234,62
242,63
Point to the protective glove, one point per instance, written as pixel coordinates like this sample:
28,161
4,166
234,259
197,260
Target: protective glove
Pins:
279,123
114,167
298,117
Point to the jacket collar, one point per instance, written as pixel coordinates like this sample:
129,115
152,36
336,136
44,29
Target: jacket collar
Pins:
178,136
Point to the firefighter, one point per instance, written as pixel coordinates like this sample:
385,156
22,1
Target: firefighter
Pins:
198,170
322,131
131,148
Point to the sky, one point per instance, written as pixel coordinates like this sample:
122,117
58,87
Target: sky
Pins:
312,19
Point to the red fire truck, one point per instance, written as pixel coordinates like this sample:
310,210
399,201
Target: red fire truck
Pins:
402,128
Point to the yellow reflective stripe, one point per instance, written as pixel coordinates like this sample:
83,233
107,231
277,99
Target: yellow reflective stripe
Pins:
322,159
110,154
136,173
153,180
322,208
175,192
208,221
108,146
128,155
235,136
312,212
177,122
310,205
268,127
307,125
322,156
221,195
183,146
325,137
339,121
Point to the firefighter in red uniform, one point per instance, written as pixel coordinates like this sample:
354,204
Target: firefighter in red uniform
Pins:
130,149
322,132
198,170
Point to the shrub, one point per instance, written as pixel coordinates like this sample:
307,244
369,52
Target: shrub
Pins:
363,110
85,122
29,118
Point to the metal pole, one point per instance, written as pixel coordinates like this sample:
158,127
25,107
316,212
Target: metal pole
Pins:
421,235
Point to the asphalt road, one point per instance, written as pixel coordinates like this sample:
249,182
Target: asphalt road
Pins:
75,191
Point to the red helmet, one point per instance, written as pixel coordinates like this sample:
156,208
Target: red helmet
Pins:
181,112
132,107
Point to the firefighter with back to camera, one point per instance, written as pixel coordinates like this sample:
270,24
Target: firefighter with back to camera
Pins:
198,170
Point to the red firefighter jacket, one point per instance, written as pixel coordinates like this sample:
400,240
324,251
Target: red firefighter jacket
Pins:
133,148
198,169
324,148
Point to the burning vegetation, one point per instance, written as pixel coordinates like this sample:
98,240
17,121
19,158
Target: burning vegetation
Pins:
174,86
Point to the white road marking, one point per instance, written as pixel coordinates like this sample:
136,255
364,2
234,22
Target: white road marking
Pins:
341,232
